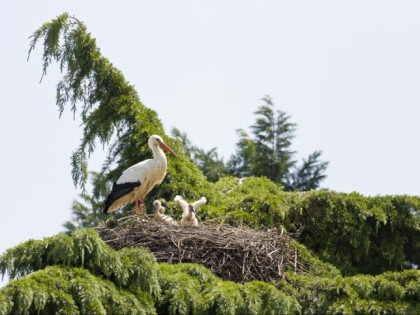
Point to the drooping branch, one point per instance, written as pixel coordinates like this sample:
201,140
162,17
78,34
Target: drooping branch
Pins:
108,105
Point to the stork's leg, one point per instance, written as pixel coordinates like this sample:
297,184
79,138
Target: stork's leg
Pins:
139,207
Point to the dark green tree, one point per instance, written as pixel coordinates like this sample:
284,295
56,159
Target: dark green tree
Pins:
80,274
111,113
308,175
268,153
273,133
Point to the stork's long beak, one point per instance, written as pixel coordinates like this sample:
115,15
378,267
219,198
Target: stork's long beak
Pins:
164,146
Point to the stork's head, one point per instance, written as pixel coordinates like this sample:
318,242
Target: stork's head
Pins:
157,141
156,205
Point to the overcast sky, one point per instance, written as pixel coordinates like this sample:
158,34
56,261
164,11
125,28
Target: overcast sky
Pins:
347,72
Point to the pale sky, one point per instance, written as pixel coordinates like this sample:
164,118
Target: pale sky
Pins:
347,72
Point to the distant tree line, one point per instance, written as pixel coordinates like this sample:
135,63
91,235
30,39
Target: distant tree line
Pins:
266,152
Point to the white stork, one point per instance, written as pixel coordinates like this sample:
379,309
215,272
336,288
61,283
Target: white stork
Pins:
138,180
188,216
160,216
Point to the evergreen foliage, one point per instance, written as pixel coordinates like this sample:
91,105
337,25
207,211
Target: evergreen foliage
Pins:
99,280
111,112
84,249
308,175
182,288
113,116
273,133
388,293
258,202
358,234
65,290
80,274
315,266
268,153
192,289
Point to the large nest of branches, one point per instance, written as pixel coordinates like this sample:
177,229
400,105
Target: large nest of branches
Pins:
238,254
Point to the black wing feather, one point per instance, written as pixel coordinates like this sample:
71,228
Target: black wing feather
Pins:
118,191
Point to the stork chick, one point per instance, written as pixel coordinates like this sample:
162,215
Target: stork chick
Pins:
188,216
160,216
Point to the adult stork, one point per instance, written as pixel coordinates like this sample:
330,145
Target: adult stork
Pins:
138,180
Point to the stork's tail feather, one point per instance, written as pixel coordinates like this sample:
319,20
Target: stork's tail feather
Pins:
119,191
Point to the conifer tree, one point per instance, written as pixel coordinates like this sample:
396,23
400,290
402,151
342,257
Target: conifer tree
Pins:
273,133
80,274
268,153
308,175
110,110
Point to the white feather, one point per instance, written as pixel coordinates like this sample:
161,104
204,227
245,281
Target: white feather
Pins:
184,205
199,202
148,172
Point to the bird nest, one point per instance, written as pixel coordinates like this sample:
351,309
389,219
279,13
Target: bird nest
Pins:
238,254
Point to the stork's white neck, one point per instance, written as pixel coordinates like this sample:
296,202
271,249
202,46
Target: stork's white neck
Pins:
159,158
158,154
